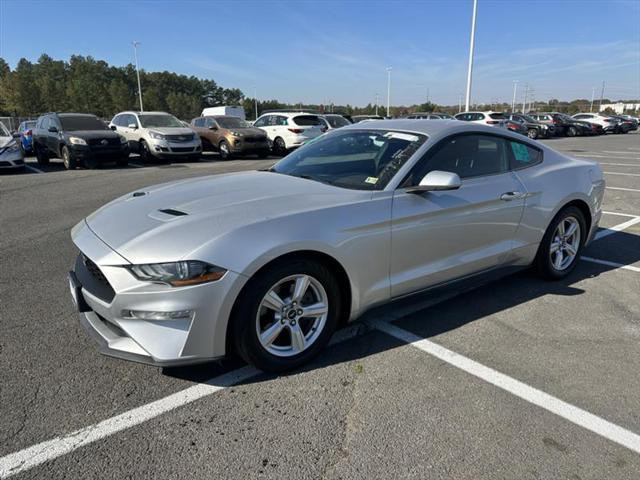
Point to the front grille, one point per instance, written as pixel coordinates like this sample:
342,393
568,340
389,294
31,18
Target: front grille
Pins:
182,149
92,279
18,162
255,139
187,137
5,164
99,142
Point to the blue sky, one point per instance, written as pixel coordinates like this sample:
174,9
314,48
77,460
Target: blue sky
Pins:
320,51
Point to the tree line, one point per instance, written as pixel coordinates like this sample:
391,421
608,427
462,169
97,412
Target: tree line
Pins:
84,84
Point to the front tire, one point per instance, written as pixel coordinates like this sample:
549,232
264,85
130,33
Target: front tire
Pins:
562,244
572,132
122,161
41,156
225,150
70,163
532,133
143,150
279,146
286,315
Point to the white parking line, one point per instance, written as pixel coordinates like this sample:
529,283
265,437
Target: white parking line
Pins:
611,264
621,214
594,155
48,450
625,174
620,164
616,228
623,189
618,151
569,412
34,169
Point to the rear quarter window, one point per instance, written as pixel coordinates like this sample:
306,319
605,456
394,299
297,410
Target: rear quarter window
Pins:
523,156
307,120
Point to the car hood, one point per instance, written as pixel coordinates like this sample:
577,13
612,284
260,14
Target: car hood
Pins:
91,134
171,221
5,141
250,131
171,130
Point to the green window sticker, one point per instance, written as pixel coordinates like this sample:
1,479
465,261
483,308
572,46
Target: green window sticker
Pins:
520,152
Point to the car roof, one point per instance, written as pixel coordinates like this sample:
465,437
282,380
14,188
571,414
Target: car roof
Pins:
142,113
70,114
290,113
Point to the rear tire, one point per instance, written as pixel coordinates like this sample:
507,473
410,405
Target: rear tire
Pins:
251,320
43,158
70,163
557,256
572,132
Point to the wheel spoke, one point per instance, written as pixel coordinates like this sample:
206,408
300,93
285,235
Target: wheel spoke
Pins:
301,286
273,301
270,334
561,228
571,250
558,260
314,310
572,229
298,341
555,246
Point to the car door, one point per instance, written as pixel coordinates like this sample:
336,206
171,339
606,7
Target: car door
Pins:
263,123
53,137
440,236
125,128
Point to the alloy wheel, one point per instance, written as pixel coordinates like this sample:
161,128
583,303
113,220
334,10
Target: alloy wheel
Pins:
292,315
565,243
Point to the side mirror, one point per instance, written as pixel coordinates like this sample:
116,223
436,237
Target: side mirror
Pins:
53,129
132,125
213,127
113,127
15,134
437,180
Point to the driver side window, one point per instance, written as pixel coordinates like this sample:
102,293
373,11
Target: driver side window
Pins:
470,155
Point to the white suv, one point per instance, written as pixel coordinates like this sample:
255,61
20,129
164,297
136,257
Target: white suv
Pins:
289,129
495,119
157,134
608,124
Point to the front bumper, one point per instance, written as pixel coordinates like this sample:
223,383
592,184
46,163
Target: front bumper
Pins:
111,153
106,292
10,159
167,149
240,145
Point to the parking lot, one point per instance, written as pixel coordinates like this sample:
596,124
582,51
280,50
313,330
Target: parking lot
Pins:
520,378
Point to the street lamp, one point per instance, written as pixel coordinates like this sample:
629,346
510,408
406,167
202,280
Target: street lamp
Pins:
135,54
388,89
470,67
255,99
377,97
513,102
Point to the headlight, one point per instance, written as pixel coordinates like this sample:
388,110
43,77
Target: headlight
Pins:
236,134
77,141
157,136
178,274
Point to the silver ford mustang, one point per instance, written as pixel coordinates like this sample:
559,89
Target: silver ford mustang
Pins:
269,263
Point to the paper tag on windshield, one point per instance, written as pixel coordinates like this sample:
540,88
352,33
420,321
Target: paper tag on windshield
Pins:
401,136
371,180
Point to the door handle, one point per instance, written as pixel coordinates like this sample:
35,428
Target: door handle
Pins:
508,196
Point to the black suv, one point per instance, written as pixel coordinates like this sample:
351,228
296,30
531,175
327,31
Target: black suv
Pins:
78,137
535,129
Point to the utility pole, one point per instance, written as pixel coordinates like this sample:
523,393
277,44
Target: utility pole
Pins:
513,102
459,103
427,95
135,54
524,101
470,67
377,97
388,89
255,99
601,97
593,94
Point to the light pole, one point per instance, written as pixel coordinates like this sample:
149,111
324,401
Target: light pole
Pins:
459,103
601,97
524,100
388,89
593,94
377,97
135,54
470,68
513,102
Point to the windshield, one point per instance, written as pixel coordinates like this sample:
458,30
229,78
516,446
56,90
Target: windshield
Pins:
336,121
356,159
3,131
307,121
159,121
529,118
231,122
82,122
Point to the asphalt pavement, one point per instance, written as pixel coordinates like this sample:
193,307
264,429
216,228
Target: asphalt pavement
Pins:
520,378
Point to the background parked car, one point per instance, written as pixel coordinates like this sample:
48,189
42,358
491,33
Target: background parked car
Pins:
157,135
11,156
517,126
360,118
288,130
333,121
608,124
78,138
495,119
564,124
230,136
534,128
430,116
625,124
25,129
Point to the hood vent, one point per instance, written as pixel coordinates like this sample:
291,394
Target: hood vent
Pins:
171,211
